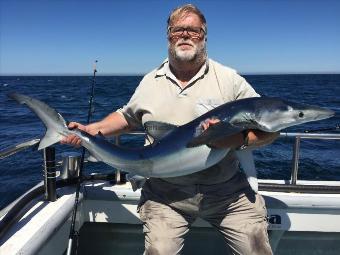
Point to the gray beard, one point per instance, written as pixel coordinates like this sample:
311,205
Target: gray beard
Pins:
197,55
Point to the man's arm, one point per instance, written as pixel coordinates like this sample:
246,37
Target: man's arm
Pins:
113,124
254,139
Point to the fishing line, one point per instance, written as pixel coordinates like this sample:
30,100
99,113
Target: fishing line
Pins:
73,234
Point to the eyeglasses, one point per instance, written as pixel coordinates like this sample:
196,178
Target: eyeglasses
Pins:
193,32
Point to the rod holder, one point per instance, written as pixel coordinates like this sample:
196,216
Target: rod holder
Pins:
70,165
50,174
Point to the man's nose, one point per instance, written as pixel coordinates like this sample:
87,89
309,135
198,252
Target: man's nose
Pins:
185,34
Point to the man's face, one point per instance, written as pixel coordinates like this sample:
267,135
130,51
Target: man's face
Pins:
187,38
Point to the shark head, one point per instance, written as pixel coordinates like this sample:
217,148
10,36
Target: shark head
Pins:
274,114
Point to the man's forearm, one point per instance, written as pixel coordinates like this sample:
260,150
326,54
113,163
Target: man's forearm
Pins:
255,138
113,124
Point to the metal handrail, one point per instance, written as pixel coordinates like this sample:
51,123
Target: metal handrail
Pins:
296,147
326,136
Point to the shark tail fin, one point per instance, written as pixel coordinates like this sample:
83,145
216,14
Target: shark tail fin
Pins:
53,121
51,137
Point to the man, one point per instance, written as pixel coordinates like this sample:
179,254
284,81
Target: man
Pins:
186,85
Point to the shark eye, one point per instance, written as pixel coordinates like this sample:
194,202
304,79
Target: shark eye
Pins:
301,114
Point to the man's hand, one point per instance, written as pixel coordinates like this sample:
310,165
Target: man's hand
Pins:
256,138
73,139
113,124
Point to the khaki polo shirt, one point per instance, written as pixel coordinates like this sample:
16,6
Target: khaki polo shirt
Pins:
159,97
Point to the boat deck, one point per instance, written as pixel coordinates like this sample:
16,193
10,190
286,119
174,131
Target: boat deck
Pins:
108,223
295,223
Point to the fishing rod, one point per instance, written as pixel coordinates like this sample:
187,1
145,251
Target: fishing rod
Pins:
74,234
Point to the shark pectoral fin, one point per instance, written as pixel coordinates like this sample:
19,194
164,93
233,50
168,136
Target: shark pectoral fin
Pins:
51,137
157,130
214,133
247,163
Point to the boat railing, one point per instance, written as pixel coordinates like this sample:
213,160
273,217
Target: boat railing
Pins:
296,147
291,135
119,177
292,185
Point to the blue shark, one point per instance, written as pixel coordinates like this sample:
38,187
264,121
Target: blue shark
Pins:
182,150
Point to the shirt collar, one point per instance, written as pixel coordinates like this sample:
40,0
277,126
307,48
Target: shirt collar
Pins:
164,70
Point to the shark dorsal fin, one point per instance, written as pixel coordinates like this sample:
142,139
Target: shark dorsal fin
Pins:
157,130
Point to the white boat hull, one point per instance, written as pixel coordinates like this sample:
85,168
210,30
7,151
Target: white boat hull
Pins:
110,212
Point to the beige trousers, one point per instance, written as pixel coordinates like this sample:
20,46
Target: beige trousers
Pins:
240,217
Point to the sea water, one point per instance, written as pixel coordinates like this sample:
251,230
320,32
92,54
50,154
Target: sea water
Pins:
319,160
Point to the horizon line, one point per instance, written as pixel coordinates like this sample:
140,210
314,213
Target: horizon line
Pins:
142,74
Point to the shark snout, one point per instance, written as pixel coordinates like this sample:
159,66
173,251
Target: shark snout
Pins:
321,113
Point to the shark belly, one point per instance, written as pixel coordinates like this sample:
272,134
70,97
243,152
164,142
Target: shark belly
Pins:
186,161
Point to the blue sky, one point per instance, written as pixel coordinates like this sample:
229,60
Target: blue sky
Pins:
128,37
